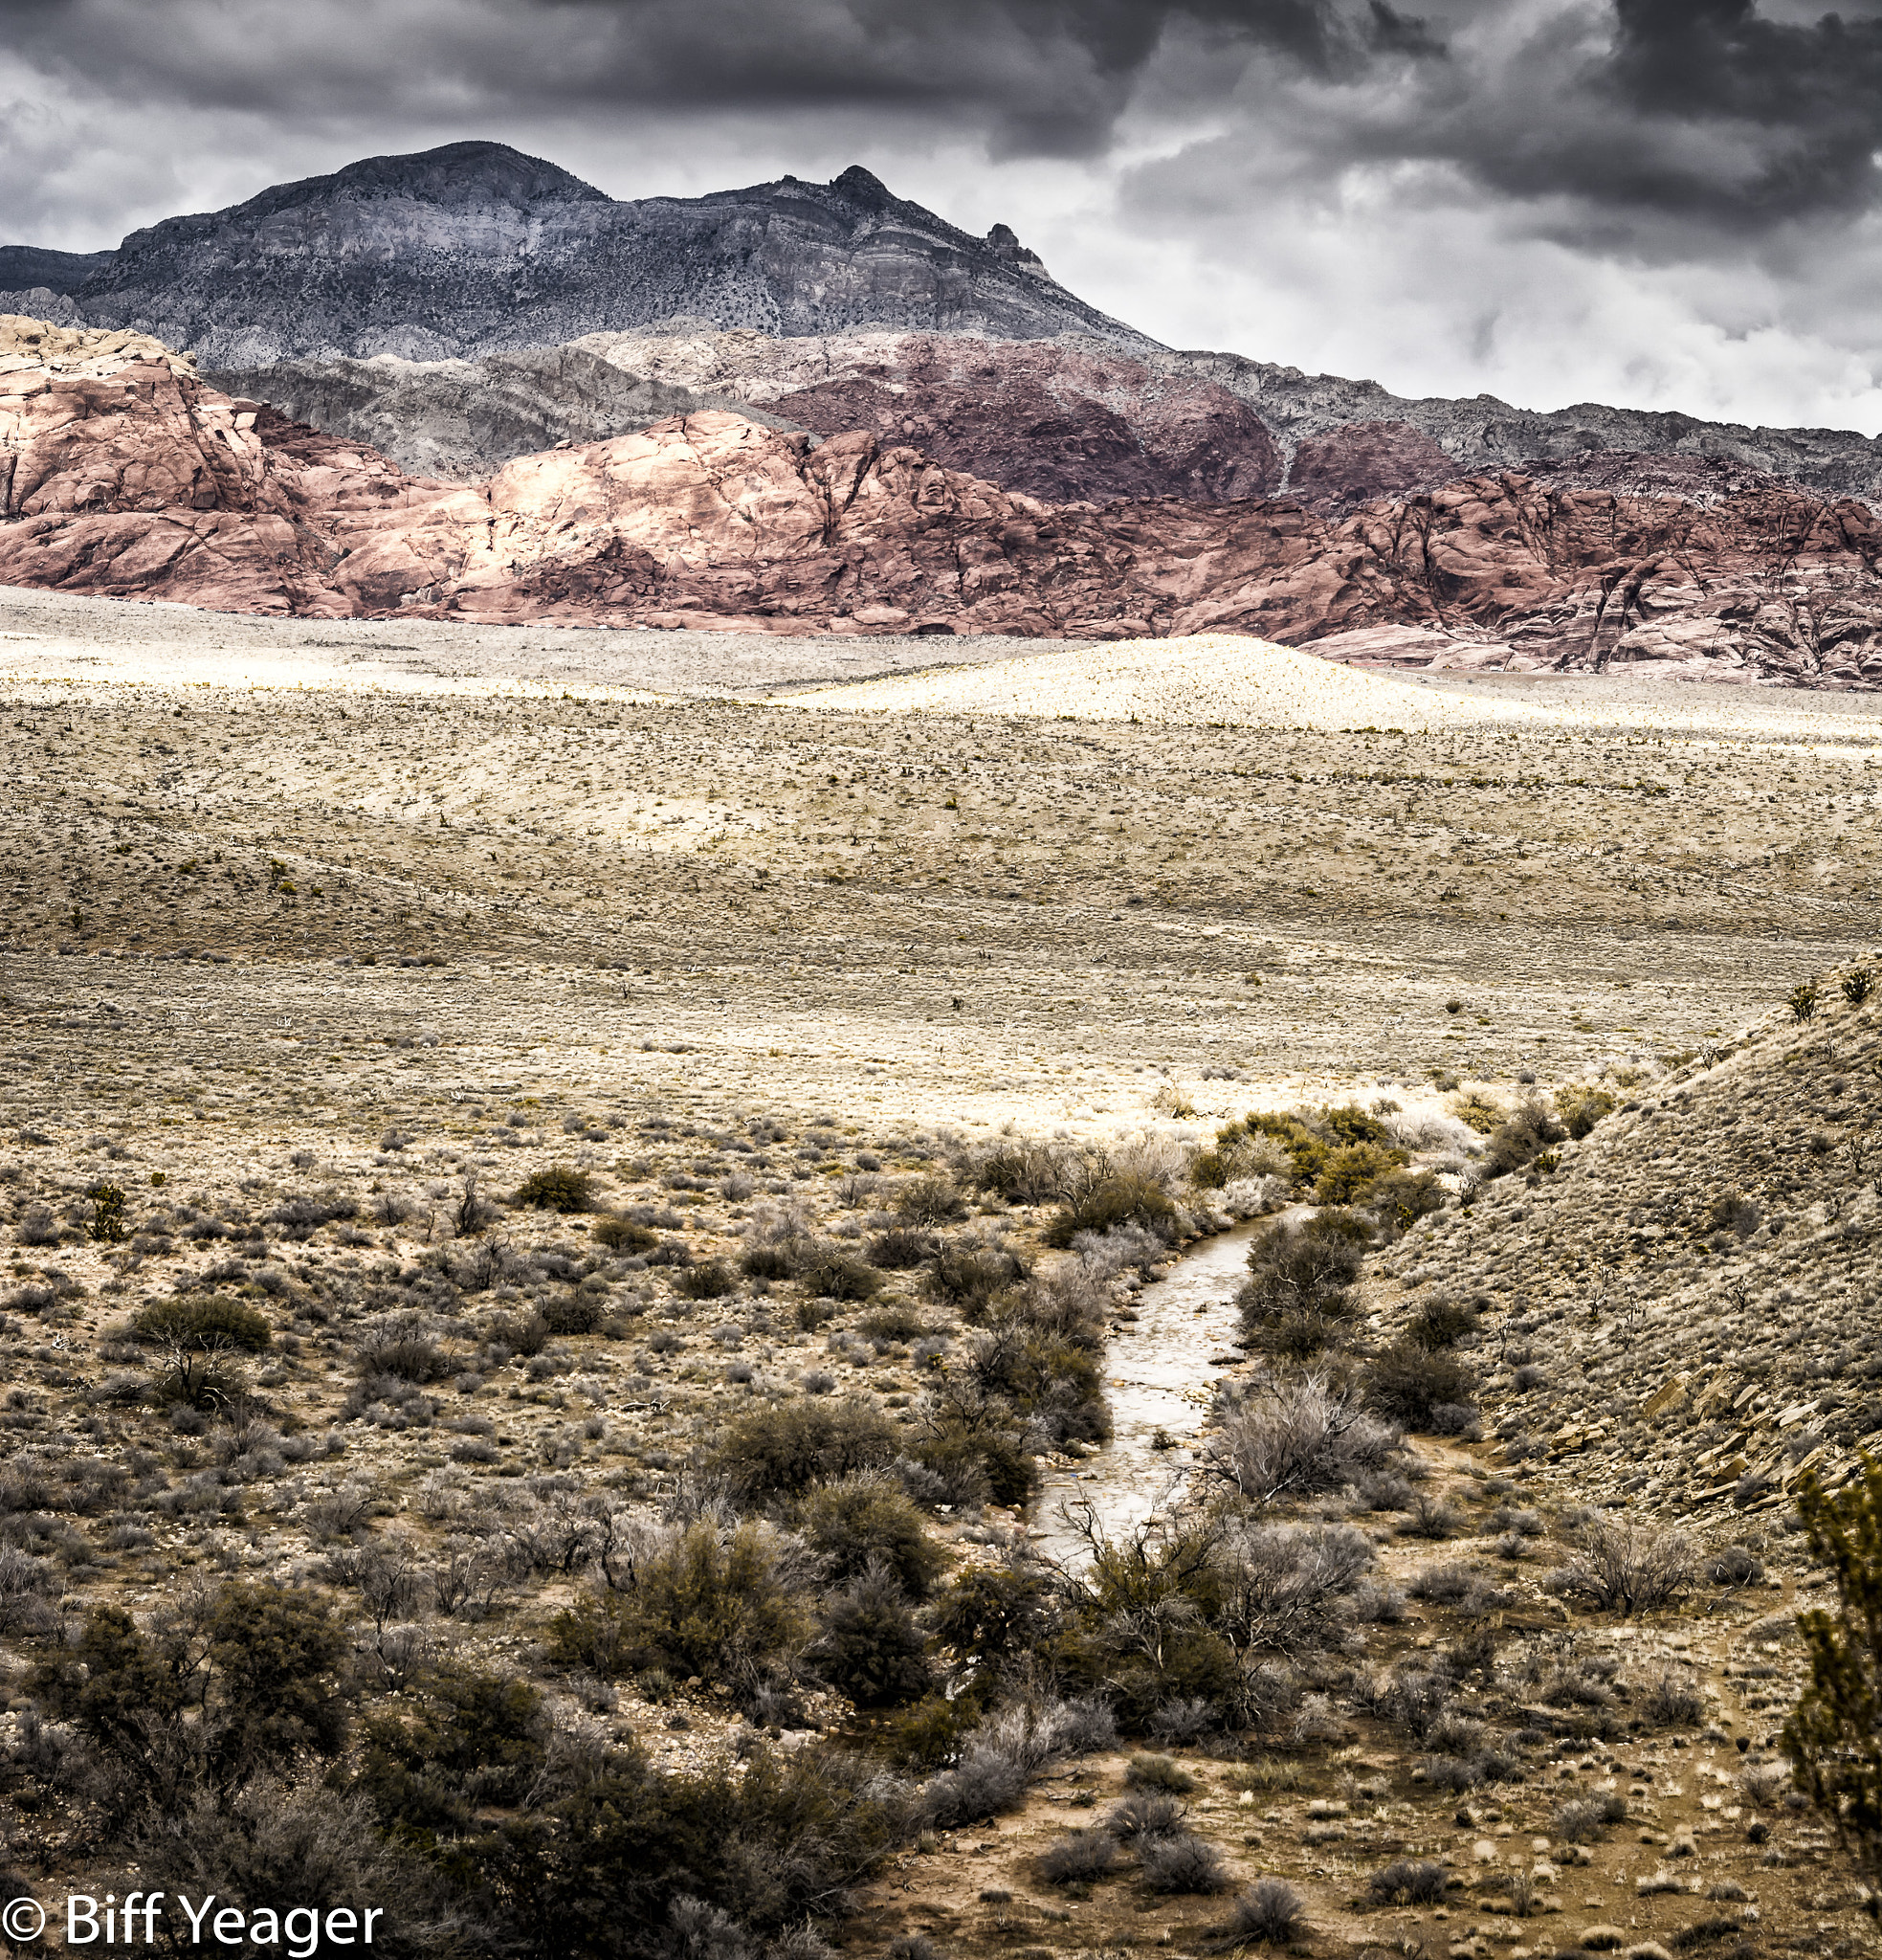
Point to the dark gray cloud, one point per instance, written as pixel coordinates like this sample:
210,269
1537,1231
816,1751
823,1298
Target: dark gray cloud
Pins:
1675,200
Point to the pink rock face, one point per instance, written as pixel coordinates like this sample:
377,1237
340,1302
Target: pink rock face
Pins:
1364,461
1067,425
145,482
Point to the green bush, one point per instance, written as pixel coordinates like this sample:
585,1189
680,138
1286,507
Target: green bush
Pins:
573,1313
930,1201
898,1321
768,1261
829,1274
1407,1381
1834,1735
1300,1295
623,1234
868,1645
560,1188
866,1521
1115,1198
1440,1322
969,1277
710,1280
1022,1173
457,1739
203,1322
997,1617
978,1463
782,1450
1522,1137
1055,1383
708,1604
1581,1106
1352,1169
1399,1198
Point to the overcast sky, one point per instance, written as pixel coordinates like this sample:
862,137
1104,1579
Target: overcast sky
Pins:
1660,203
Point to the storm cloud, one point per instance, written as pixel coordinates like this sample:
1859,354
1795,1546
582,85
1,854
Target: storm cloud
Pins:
1672,203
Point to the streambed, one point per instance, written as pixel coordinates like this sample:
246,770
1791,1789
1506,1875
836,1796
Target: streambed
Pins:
1159,1384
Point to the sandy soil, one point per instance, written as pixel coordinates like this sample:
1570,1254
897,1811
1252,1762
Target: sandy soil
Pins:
293,900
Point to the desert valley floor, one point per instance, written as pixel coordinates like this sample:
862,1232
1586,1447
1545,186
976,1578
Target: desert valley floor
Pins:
297,907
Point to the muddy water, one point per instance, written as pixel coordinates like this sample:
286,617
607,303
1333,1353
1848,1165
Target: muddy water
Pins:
1160,1385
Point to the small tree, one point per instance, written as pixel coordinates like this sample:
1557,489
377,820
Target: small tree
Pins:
1858,985
1803,1001
1834,1736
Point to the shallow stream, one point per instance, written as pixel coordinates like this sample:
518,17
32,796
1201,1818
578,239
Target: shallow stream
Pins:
1160,1385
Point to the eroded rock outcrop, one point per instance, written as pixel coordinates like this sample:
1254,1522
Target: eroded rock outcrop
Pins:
124,473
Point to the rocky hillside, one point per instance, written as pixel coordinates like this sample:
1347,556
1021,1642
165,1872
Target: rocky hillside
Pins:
477,248
128,474
466,419
1069,420
1684,1307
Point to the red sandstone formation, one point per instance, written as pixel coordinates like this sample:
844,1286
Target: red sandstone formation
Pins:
142,482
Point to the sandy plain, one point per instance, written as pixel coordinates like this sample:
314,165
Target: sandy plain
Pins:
276,891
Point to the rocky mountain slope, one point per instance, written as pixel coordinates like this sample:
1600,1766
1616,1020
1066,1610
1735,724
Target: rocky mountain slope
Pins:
1687,1303
1067,420
129,475
476,249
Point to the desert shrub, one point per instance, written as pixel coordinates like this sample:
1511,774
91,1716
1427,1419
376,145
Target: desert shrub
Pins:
1112,1199
1023,1174
1736,1565
1407,1882
37,1227
1285,1585
969,1276
1078,1858
1528,1131
930,1201
623,1234
998,1615
709,1603
1584,1817
1802,1000
1299,1297
978,1462
707,1864
1271,1912
863,1521
1147,1813
1581,1106
401,1346
895,1322
1406,1382
1354,1168
1054,1384
868,1645
1399,1198
783,1451
299,1219
456,1737
304,1850
204,1322
1440,1322
523,1333
561,1188
1294,1437
830,1274
983,1784
1731,1211
1627,1567
1673,1702
1182,1863
1858,985
1482,1111
710,1280
1834,1735
1150,1770
1305,1148
902,1247
573,1313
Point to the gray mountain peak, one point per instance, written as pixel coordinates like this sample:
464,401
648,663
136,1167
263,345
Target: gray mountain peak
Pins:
477,248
